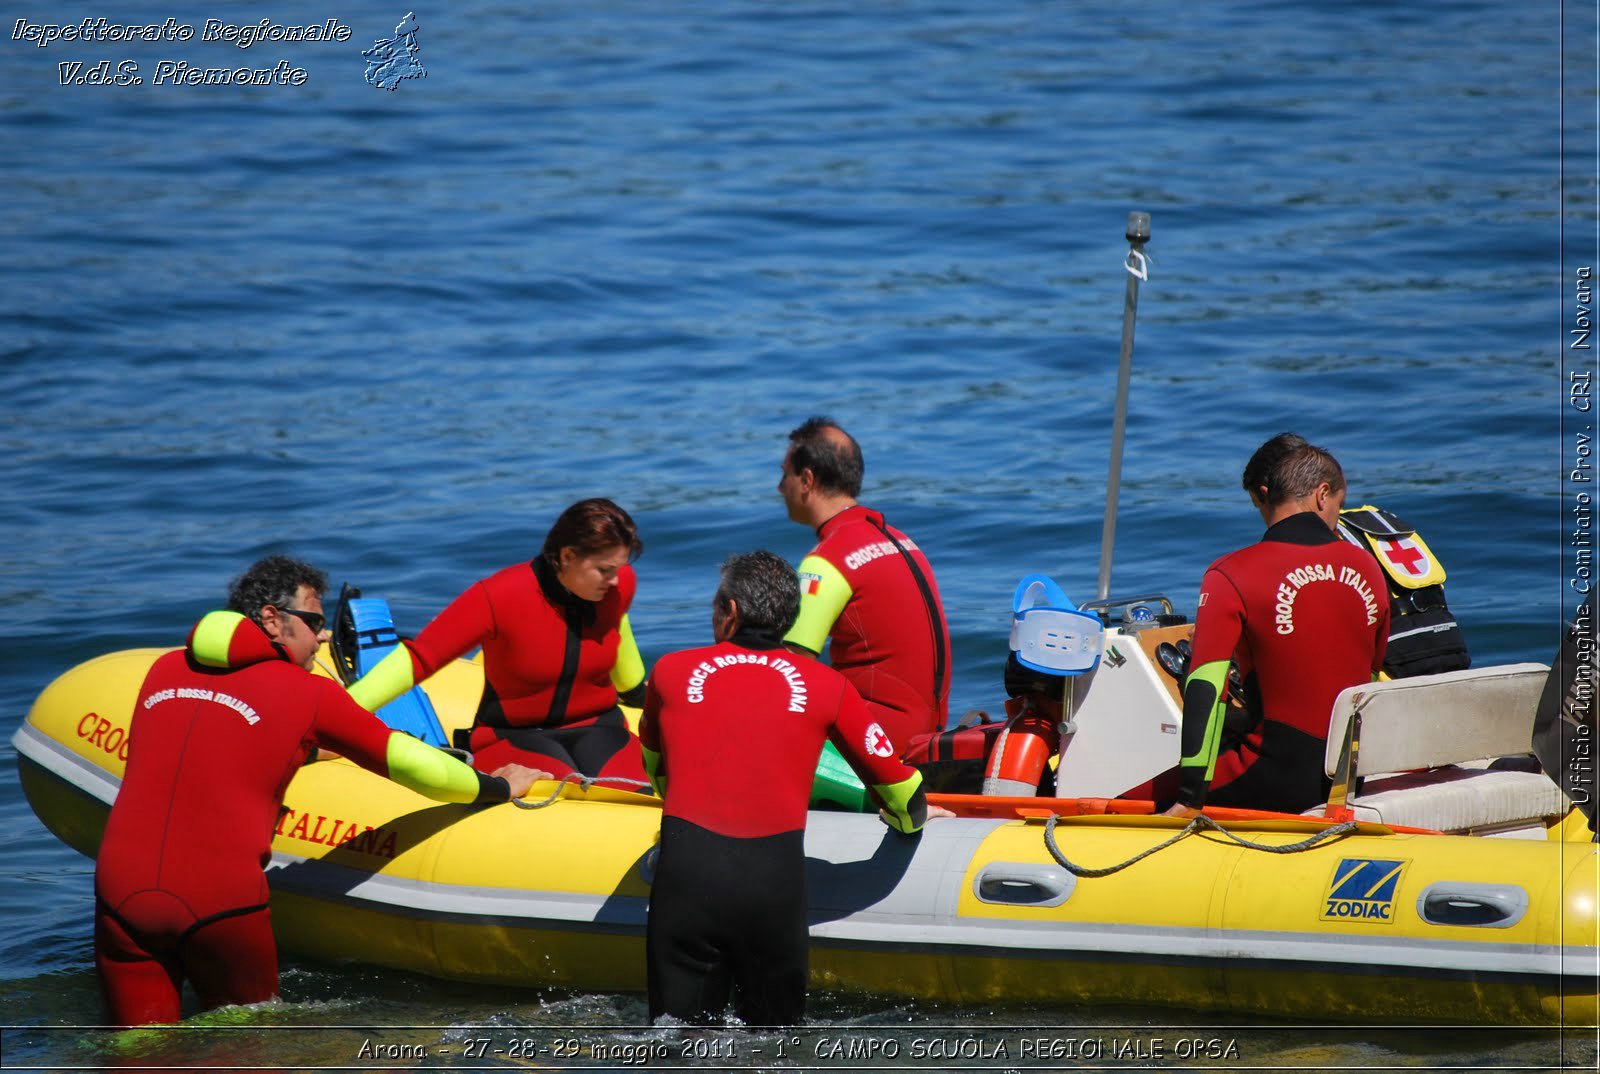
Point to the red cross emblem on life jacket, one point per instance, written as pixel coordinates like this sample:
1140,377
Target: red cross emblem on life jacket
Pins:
1404,555
877,742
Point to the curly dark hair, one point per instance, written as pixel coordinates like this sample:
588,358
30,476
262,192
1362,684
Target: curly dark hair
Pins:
275,580
766,588
835,461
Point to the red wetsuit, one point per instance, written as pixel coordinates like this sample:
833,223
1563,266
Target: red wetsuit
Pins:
889,637
739,731
1304,615
548,697
732,732
218,731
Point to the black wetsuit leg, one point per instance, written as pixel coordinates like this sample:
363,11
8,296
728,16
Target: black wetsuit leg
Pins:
728,916
535,747
600,742
1287,776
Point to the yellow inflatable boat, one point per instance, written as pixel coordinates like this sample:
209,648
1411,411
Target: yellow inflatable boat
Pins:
1386,918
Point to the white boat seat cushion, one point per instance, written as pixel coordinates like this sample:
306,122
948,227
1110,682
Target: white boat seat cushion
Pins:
1453,799
1418,740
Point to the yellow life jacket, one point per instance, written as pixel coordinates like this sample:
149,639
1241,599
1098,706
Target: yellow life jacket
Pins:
1424,637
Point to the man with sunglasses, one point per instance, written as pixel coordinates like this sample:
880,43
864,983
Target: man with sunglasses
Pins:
219,729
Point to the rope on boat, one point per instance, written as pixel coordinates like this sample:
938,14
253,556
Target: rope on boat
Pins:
1201,821
583,781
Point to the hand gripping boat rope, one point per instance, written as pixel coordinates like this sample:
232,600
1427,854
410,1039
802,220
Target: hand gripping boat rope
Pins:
583,781
1201,821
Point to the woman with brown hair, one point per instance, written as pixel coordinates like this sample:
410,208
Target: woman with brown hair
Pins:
558,651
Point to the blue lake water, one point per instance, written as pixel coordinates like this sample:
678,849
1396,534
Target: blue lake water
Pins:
621,248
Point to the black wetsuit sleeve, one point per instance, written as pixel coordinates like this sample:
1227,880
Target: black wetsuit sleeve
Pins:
492,788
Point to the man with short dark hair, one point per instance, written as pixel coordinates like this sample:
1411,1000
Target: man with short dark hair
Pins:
1424,637
1304,615
218,730
731,735
1258,471
867,586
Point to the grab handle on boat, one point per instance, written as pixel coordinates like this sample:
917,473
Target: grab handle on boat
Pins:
1491,906
1015,883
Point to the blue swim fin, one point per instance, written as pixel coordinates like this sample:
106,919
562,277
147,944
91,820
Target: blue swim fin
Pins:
363,634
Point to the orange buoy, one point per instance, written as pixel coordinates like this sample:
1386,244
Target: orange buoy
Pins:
1022,750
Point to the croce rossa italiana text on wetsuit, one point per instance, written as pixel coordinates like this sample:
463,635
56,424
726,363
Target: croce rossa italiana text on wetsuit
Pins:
1304,615
731,734
218,731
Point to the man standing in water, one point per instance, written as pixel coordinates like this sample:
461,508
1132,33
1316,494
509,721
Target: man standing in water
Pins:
731,734
219,729
867,586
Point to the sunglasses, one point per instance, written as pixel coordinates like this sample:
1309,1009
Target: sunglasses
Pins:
314,620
